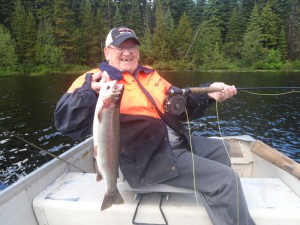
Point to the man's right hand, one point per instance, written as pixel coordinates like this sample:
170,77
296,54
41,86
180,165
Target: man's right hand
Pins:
98,79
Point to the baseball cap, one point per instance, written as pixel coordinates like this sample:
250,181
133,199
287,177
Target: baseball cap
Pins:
120,34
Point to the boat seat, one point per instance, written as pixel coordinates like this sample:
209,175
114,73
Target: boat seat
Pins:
161,188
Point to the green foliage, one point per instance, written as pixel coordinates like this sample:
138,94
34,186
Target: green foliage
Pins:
207,44
272,61
291,65
282,45
30,29
293,35
135,18
146,48
232,46
64,28
8,57
163,34
118,21
47,54
183,36
268,26
252,46
18,32
87,41
217,34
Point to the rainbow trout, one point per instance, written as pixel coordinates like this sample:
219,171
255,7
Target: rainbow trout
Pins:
106,132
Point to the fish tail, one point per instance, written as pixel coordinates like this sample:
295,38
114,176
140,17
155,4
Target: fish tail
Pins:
111,199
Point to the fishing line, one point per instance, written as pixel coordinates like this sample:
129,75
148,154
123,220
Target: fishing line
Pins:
42,150
221,135
272,94
193,159
193,162
228,154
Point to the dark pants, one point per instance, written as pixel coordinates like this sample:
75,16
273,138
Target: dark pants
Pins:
217,183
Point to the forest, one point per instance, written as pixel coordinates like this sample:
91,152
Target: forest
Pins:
52,36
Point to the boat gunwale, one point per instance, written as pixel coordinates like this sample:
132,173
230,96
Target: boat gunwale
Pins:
25,182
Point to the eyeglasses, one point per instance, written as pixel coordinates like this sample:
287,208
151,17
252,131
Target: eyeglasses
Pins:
120,50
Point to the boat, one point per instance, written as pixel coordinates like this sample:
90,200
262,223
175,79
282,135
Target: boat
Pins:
59,194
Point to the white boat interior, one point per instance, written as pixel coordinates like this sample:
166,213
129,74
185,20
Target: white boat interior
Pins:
57,194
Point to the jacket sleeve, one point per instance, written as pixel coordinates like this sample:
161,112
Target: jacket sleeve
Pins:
196,104
75,111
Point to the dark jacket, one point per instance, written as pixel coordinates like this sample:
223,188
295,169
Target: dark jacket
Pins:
146,155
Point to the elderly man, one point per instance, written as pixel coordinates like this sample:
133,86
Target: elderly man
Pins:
155,145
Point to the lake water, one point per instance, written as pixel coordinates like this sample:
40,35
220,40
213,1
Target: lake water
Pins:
27,105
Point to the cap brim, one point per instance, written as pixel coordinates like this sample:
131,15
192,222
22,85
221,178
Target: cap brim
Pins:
122,39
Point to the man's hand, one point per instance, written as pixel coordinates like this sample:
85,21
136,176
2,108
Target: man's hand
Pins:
98,79
227,92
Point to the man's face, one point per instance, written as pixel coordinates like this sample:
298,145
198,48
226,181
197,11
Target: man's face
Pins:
126,60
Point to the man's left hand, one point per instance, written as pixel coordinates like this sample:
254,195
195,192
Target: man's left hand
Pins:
227,92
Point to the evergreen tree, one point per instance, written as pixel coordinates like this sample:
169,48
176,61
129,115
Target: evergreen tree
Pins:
102,31
135,18
183,36
64,29
252,46
47,54
123,8
161,36
169,33
207,42
18,31
214,13
191,12
6,9
177,8
247,7
88,35
146,47
282,45
118,21
30,41
8,57
234,38
293,35
147,15
44,10
199,14
282,9
268,27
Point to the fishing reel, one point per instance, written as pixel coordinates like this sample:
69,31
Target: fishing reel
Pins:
175,101
177,98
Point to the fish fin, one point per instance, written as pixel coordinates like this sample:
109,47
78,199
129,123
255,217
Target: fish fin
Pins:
95,151
99,175
113,199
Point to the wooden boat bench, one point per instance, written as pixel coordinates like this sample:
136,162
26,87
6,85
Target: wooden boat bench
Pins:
75,198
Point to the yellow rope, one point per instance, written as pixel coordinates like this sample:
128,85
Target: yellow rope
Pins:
283,93
221,135
228,154
193,160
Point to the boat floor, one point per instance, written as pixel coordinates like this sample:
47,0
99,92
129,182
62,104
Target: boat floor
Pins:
75,198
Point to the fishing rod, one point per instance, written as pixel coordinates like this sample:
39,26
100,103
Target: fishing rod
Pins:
195,90
175,102
42,150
